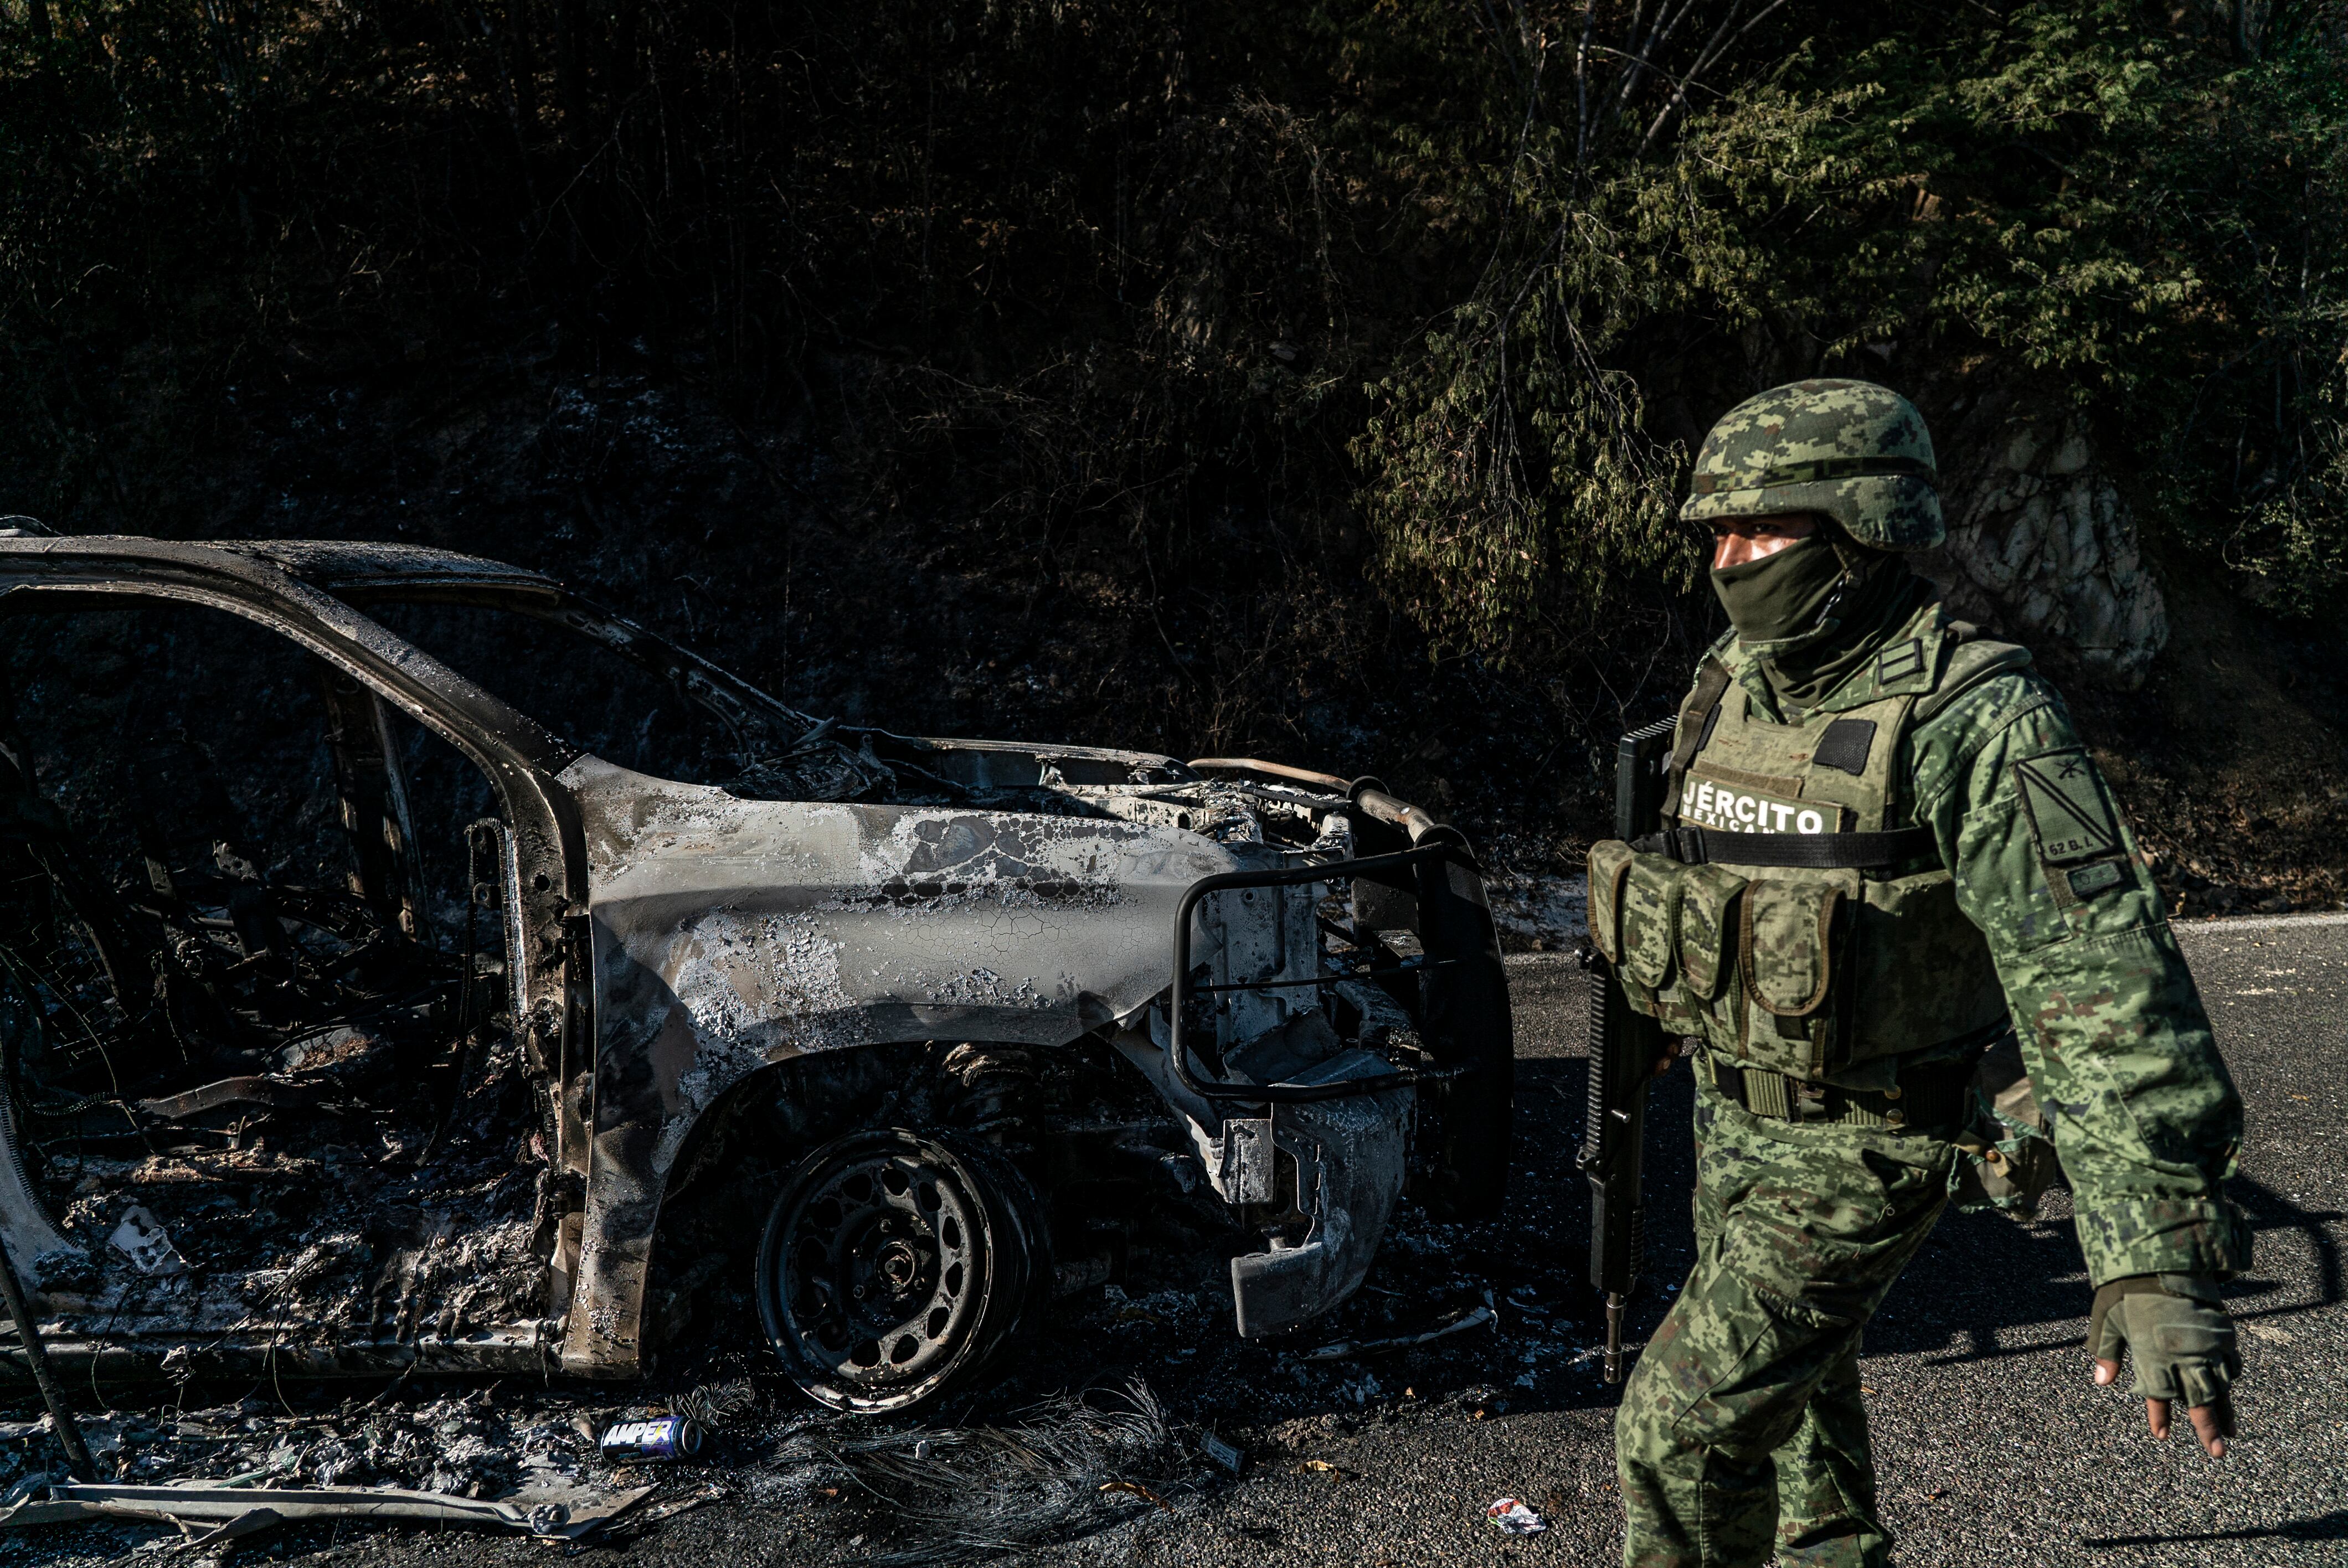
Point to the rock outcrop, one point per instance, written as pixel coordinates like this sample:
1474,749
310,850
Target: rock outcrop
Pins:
2042,546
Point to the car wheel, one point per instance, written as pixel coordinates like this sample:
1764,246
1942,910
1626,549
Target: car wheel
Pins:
896,1266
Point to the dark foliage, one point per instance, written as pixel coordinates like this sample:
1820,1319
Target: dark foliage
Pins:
1174,374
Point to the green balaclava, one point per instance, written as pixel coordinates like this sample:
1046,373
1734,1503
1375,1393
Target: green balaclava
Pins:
1813,612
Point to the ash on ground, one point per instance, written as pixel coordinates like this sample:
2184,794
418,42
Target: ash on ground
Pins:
1167,1395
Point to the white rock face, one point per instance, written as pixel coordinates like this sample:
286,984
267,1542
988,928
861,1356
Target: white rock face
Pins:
2042,549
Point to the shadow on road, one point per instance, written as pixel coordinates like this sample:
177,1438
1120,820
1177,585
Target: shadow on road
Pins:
2332,1526
2270,1211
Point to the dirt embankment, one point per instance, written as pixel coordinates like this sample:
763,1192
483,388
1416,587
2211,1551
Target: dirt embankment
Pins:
2233,758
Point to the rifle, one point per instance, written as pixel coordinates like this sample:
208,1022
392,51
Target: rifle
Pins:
1622,1048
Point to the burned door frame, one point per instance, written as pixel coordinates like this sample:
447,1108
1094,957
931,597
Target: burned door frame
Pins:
552,987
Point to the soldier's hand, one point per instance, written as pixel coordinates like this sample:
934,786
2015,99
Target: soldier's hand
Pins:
1673,1046
2175,1328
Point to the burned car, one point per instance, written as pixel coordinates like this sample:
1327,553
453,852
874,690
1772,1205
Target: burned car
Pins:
433,1040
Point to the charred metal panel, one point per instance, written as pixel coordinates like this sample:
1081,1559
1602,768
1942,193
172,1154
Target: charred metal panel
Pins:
1261,934
1247,1161
730,935
31,1235
1349,1156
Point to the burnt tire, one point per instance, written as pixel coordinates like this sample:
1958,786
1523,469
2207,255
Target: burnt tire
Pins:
896,1268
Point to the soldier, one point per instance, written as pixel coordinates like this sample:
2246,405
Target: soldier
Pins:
1888,849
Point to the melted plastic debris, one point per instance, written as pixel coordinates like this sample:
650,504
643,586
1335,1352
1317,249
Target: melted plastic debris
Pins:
1347,1349
142,1238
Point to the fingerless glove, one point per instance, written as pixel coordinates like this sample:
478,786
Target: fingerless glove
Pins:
2175,1330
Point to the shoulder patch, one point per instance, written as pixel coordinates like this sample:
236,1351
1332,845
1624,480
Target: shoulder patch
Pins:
1970,663
2068,812
1900,661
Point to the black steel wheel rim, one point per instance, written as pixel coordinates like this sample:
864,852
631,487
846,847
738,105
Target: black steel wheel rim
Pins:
883,1273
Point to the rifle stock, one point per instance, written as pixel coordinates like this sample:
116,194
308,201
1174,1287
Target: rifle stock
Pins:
1623,1047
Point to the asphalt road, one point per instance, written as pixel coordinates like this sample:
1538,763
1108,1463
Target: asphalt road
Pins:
1993,1445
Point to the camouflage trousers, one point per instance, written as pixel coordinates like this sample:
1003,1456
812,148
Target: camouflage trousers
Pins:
1741,1432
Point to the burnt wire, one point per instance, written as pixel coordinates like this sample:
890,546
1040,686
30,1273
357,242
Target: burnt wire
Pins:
23,1108
947,1495
36,984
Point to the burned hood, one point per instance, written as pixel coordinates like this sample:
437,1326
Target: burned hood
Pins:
732,933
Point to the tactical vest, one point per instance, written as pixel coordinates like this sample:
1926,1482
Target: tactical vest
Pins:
1783,918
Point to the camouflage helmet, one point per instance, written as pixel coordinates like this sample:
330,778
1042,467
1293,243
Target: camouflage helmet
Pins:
1855,451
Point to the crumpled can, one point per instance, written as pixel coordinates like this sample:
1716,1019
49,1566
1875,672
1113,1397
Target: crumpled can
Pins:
666,1438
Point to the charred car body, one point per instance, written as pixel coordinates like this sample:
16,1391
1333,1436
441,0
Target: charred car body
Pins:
930,1027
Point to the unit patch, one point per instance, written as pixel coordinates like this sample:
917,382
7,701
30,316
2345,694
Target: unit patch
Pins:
2087,881
2067,812
1728,808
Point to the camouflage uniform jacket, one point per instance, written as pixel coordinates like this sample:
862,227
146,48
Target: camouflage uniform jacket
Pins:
2138,1101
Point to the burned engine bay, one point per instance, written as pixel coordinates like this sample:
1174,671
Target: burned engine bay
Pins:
450,1043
